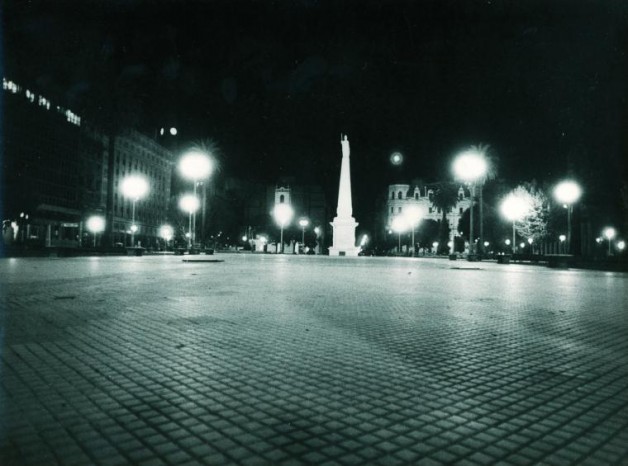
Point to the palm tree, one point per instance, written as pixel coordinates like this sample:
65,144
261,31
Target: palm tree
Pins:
490,174
445,198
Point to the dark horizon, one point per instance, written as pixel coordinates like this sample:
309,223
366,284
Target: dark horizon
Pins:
275,85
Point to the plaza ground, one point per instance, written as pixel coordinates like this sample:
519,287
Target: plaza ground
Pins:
265,359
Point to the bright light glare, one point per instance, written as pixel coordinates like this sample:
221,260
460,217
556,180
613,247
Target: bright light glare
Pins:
412,215
134,186
195,165
514,207
567,192
173,131
530,240
166,232
399,224
133,228
304,222
283,214
522,245
507,242
470,166
609,232
562,238
435,244
317,230
96,224
621,245
364,240
396,158
189,203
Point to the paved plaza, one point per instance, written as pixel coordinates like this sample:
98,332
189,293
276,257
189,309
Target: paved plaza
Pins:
265,359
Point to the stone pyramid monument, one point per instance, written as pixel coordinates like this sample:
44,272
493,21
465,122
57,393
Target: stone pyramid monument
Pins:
344,224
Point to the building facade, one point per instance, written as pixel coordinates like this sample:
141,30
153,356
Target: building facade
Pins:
136,154
54,174
403,197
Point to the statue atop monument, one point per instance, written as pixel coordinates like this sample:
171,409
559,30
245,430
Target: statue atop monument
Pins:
344,224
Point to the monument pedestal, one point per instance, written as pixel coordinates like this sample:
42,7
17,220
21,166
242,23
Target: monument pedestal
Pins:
344,237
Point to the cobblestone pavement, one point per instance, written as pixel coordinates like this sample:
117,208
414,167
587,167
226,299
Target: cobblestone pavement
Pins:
311,360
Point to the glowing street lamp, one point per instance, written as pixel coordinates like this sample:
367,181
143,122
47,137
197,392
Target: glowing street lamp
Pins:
190,204
609,233
562,239
567,193
167,233
195,165
134,187
514,207
303,223
399,225
621,245
283,215
470,167
412,216
95,224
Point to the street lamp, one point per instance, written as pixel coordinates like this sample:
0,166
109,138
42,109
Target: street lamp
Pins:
621,245
609,233
166,232
562,239
412,216
283,215
567,193
190,204
95,224
470,167
303,223
399,225
134,187
195,165
514,208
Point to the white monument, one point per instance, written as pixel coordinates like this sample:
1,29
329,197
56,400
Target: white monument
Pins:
344,224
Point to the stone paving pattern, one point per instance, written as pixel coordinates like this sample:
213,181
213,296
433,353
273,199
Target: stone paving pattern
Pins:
311,360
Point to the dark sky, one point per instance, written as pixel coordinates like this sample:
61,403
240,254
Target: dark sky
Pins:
276,83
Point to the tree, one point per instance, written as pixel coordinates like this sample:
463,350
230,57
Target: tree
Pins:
490,174
535,224
445,198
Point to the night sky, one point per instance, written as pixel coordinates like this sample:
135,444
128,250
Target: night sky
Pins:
274,84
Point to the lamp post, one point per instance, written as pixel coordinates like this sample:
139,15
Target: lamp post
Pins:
134,187
166,232
195,165
562,239
190,204
412,216
514,208
283,215
95,224
470,167
303,223
609,233
399,225
567,193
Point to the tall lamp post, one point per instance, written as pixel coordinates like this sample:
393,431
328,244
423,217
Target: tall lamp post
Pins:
134,187
413,215
195,165
190,204
470,167
567,193
283,215
96,224
166,232
609,234
304,222
399,225
514,208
